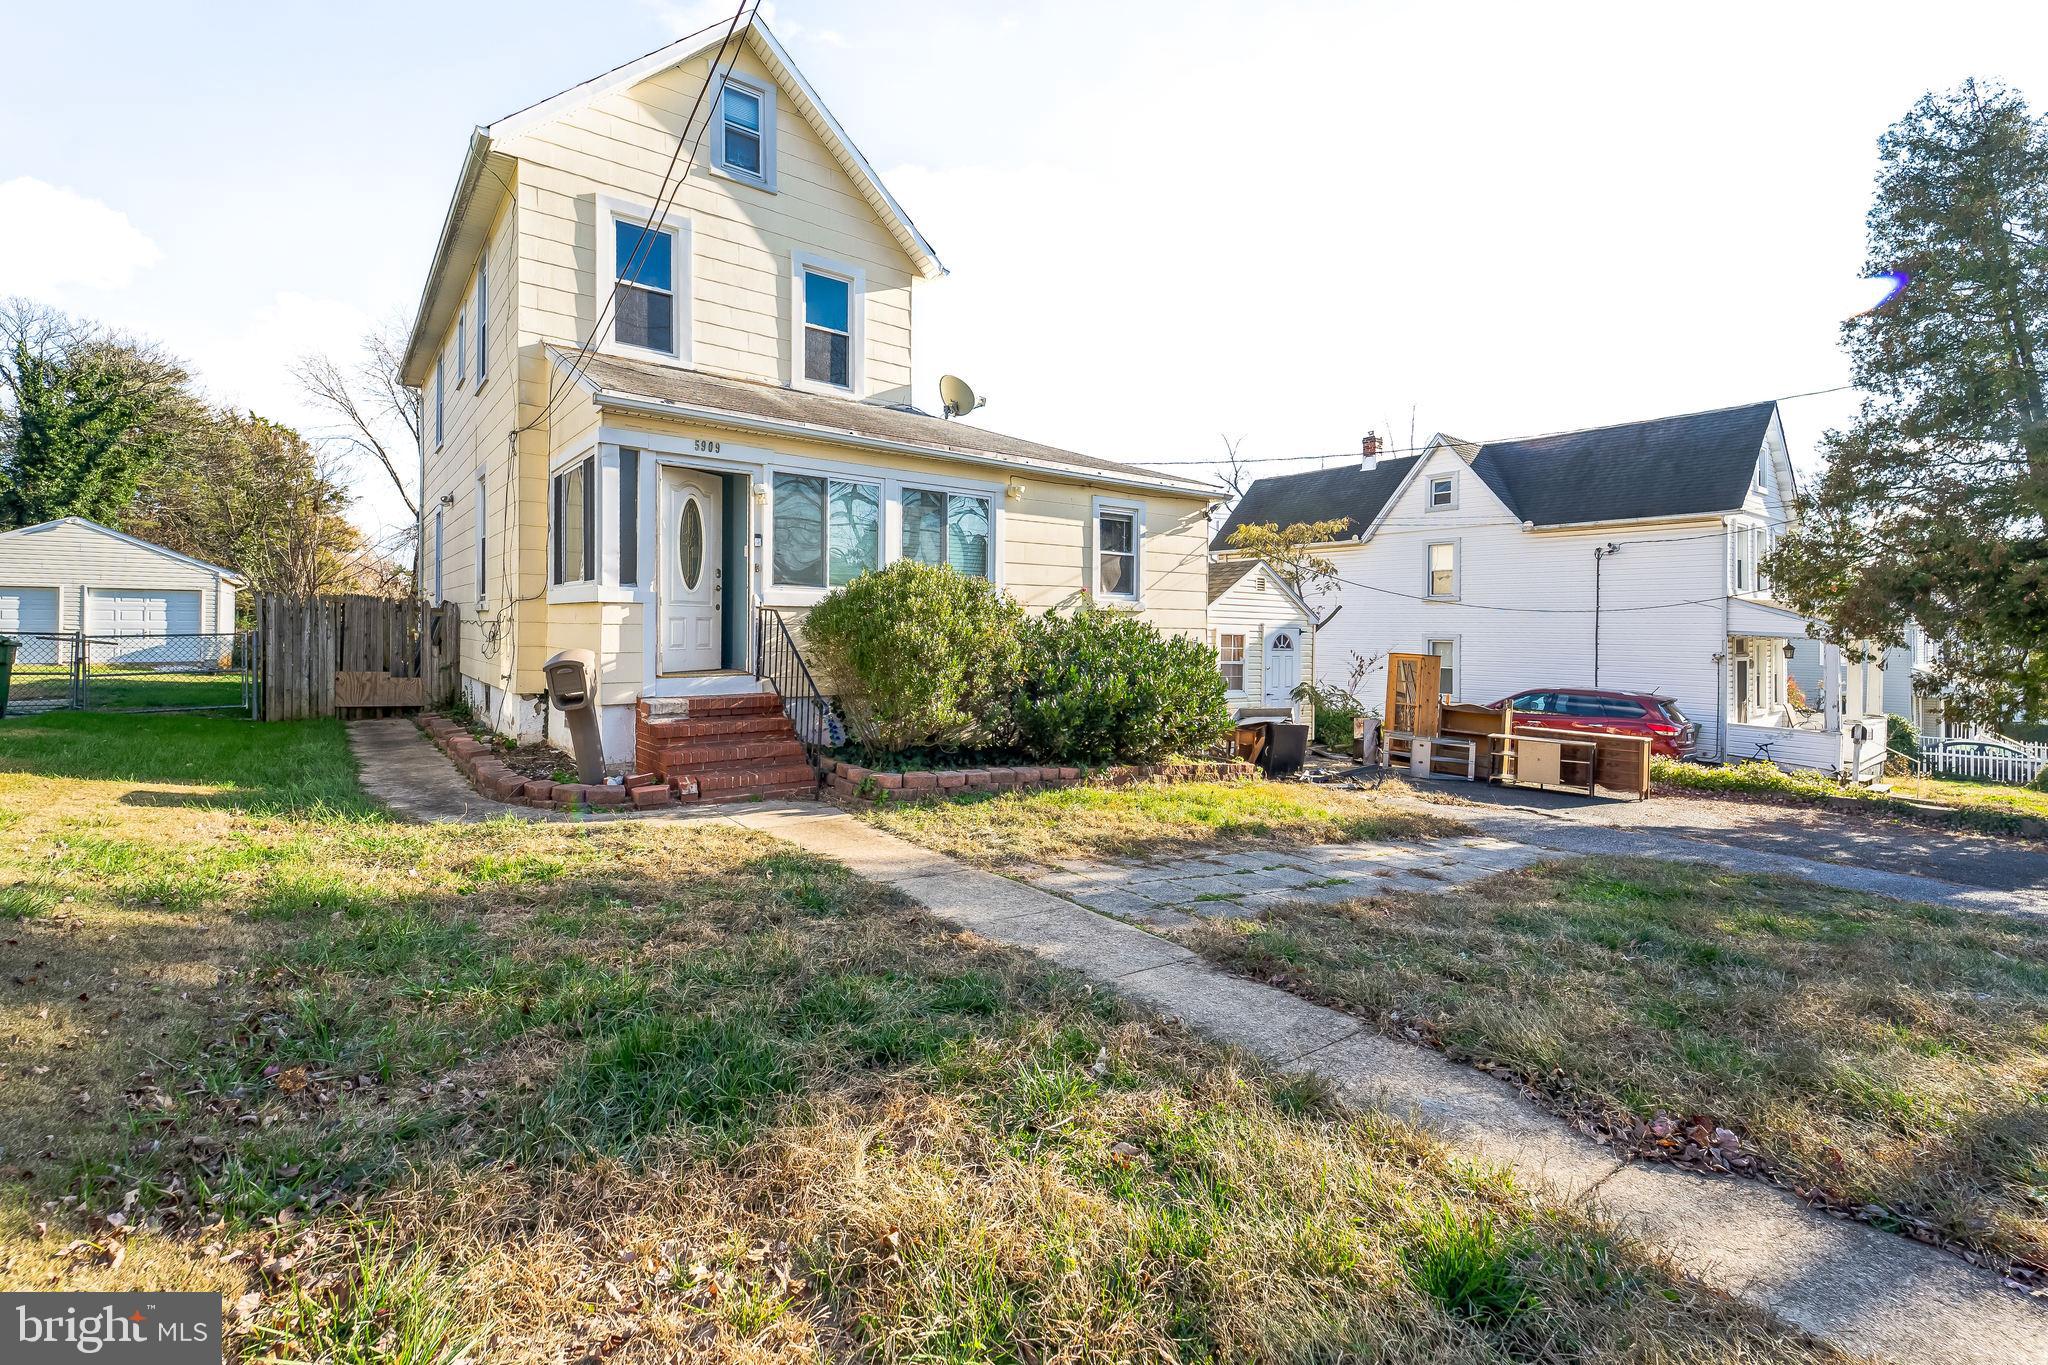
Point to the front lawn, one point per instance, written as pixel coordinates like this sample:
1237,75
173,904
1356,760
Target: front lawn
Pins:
638,1091
1149,820
1989,806
1893,1057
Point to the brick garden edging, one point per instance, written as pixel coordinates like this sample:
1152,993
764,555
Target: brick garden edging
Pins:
493,778
850,781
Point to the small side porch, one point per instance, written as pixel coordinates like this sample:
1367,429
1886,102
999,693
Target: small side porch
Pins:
1837,728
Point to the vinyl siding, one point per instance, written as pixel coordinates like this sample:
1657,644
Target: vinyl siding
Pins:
1505,573
74,558
741,237
1249,611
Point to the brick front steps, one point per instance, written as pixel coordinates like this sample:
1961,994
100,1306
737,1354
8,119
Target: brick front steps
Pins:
721,780
850,781
738,747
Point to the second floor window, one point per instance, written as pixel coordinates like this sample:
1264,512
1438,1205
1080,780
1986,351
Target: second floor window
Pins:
1443,569
440,369
646,304
828,329
483,323
741,110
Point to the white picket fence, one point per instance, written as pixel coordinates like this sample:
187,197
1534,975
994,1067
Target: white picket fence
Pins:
2011,769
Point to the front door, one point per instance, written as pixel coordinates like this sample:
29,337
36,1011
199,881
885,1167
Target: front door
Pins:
1742,689
1283,665
692,583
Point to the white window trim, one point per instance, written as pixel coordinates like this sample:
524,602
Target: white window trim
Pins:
481,306
612,211
892,484
483,509
1457,644
766,94
1457,572
1136,512
856,317
440,400
461,349
439,526
1429,503
1244,660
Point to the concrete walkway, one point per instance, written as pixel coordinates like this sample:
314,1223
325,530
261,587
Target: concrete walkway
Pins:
1867,1291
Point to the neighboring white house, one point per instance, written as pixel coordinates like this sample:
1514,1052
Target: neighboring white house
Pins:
76,576
1901,665
1621,557
1265,638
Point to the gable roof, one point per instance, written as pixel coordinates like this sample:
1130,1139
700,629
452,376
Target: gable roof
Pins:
649,386
1225,574
483,184
137,541
1319,495
1694,464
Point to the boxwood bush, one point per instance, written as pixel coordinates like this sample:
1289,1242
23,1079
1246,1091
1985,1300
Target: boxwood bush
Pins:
920,655
1105,686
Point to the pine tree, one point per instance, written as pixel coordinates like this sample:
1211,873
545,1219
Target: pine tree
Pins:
83,414
1932,506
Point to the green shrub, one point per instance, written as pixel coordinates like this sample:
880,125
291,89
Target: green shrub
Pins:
1901,737
919,654
1105,686
1335,712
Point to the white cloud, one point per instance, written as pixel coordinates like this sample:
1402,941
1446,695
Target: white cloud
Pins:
53,239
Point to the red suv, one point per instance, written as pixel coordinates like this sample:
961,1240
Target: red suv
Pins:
1593,710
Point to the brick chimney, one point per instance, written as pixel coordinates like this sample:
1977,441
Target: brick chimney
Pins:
1369,450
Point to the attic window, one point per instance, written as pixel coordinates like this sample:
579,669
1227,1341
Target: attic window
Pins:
744,145
1443,492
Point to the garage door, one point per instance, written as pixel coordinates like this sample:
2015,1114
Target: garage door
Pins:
28,611
155,616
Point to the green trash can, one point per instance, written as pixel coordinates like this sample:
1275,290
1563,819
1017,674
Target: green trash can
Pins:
7,648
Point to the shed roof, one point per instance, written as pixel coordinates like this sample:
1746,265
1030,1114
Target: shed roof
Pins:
695,393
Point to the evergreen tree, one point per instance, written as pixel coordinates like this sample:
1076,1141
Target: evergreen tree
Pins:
1933,502
83,413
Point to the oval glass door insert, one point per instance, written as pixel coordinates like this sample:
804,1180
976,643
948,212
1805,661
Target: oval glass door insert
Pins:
690,544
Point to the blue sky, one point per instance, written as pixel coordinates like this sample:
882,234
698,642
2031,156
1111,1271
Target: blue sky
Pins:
1164,221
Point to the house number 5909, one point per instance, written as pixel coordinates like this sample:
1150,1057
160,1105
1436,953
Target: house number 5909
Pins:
705,447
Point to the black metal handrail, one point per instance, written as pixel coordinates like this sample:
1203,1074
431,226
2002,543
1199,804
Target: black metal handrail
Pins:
779,663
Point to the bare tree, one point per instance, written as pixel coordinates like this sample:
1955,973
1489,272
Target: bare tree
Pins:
370,402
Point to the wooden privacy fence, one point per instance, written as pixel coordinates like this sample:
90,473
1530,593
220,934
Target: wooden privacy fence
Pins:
353,656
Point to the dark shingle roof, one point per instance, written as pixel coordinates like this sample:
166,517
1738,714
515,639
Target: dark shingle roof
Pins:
1318,495
1692,465
748,398
1224,573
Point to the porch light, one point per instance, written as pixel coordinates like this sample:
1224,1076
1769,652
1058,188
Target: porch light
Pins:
1791,650
1013,490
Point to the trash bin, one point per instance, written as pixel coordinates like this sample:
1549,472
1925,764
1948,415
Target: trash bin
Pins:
8,646
572,687
1286,748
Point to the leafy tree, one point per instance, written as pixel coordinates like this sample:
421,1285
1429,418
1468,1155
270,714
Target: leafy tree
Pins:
1933,502
256,497
83,414
1291,550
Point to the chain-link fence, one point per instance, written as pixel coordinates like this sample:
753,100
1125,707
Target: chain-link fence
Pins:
191,672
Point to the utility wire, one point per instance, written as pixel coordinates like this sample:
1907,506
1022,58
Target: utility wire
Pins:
1386,451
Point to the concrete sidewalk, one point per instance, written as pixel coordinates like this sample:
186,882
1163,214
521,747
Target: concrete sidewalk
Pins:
1867,1291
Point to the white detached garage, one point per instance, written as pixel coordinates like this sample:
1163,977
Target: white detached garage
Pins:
77,576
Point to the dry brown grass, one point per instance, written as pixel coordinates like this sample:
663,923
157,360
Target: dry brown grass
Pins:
1892,1057
1046,828
676,1093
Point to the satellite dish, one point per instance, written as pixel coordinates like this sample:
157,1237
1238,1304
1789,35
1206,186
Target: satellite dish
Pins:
956,396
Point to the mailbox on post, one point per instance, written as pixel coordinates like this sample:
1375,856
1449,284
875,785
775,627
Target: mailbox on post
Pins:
572,689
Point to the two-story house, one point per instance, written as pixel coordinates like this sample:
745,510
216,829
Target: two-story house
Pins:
1622,557
739,438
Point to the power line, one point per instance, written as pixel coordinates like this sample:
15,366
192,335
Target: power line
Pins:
664,200
1385,451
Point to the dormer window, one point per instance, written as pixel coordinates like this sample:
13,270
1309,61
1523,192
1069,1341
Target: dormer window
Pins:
743,134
